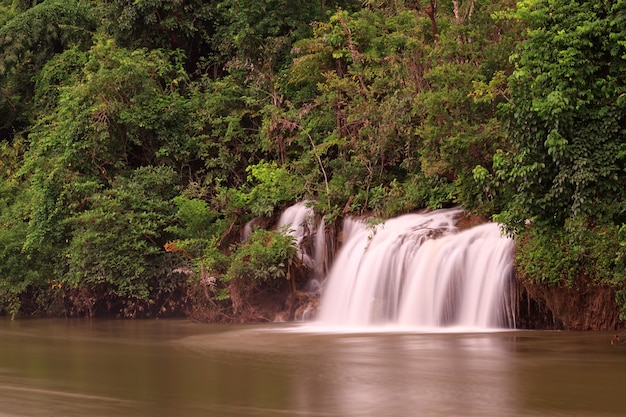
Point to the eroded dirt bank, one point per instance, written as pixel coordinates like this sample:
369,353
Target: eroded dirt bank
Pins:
558,308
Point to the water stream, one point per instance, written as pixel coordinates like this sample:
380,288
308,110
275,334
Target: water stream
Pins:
165,368
416,271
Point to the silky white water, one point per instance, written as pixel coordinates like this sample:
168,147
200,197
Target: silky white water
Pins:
308,231
419,271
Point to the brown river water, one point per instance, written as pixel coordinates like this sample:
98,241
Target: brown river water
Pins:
176,368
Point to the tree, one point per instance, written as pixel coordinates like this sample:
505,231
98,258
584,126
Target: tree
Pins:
103,163
185,25
563,178
116,261
567,115
22,272
123,109
390,110
27,42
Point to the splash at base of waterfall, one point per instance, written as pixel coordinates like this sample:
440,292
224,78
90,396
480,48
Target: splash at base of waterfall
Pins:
419,271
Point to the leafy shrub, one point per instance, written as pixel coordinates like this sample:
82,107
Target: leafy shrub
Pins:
116,250
573,256
268,187
266,256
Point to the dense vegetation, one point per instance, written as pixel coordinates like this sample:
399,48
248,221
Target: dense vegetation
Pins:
137,137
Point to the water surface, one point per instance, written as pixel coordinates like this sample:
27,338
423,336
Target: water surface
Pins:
178,368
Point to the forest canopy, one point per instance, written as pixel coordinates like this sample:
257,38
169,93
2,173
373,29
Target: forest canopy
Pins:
136,138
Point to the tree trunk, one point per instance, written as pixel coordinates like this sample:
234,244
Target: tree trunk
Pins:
432,13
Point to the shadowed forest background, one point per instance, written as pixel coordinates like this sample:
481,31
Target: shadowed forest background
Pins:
137,138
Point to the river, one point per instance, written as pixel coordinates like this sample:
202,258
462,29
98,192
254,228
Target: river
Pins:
177,368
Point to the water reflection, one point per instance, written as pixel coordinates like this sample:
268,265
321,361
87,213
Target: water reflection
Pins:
419,375
79,368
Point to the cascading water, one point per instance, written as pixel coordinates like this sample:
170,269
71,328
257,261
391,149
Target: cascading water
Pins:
308,230
418,270
297,221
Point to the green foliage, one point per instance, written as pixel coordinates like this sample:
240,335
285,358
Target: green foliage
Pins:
573,256
254,26
268,188
8,9
386,102
115,243
31,259
273,186
464,85
567,115
113,111
196,218
562,180
266,256
35,35
27,41
168,24
19,268
124,110
358,125
224,116
198,234
63,70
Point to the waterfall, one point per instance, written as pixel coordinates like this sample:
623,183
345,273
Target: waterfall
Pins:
300,222
419,270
